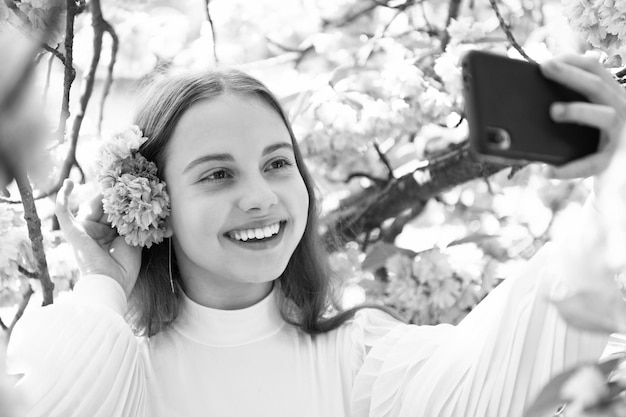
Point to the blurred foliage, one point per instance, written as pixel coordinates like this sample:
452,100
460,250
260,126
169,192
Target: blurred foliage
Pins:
374,92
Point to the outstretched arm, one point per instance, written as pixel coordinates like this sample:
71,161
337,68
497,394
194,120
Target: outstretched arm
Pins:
497,360
79,357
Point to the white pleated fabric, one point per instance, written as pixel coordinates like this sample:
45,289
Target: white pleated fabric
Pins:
79,357
492,364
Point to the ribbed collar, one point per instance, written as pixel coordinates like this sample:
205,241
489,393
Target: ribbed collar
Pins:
228,328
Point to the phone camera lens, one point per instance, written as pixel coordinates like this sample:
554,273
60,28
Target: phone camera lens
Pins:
498,138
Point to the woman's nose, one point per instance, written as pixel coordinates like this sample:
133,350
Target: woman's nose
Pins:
257,195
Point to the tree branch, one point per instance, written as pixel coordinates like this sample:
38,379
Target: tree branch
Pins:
98,24
109,80
351,17
2,325
29,64
27,273
429,26
46,87
210,20
384,160
380,33
52,191
453,13
54,52
34,231
69,73
43,42
375,3
358,174
370,208
301,52
20,311
507,30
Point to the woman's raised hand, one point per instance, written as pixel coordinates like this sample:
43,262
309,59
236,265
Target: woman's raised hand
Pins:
605,111
97,246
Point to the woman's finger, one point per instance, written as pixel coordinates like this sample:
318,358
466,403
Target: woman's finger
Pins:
600,116
62,210
92,210
581,168
592,85
73,230
588,64
128,257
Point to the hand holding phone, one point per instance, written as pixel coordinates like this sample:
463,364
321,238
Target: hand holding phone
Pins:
507,105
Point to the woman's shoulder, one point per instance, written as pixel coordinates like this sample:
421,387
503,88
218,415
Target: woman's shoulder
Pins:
363,329
370,319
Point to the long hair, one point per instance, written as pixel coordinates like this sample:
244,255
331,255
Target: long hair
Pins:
306,288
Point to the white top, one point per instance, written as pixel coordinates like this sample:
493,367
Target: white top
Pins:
80,358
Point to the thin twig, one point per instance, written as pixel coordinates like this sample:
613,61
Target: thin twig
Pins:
301,52
98,25
27,273
349,18
507,30
210,20
33,224
401,6
429,25
48,74
384,160
43,42
109,80
83,177
52,191
70,73
358,174
2,325
55,52
453,13
283,47
20,311
29,64
380,34
39,56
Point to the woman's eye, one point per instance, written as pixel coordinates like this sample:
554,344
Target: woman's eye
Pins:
217,175
279,164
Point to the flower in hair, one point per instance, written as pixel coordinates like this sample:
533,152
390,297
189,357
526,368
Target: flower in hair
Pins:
135,199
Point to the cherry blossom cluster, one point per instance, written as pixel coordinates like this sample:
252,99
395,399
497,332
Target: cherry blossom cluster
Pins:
135,199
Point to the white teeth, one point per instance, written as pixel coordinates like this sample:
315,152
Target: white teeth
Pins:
258,233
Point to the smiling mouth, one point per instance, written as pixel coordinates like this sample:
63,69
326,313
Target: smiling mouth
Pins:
259,234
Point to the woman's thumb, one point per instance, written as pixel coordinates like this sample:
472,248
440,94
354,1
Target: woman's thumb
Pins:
62,209
73,231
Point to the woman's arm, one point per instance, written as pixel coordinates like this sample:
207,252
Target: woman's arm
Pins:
78,357
497,360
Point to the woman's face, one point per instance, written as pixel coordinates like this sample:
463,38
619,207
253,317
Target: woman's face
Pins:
239,203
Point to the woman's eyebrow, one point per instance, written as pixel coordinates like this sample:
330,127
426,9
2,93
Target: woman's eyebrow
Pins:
226,157
277,146
221,157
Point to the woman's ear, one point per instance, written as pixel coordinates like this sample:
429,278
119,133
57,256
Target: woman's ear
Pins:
168,229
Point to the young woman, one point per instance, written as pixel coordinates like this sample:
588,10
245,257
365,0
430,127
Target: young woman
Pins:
232,305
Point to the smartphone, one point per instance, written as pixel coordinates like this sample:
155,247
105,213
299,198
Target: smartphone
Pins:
507,104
